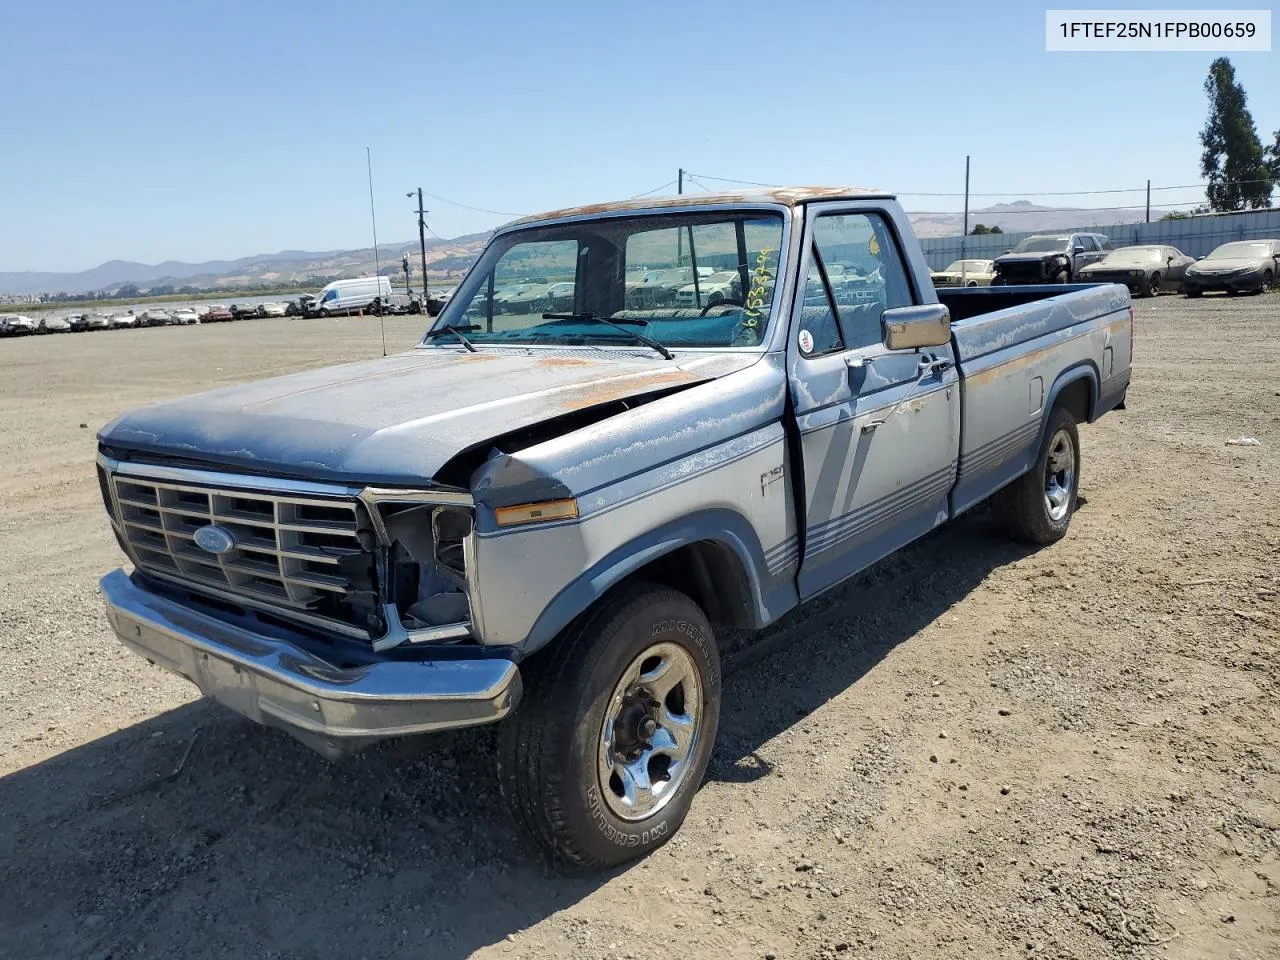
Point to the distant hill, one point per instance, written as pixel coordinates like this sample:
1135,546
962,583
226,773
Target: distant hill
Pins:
444,257
1022,216
448,258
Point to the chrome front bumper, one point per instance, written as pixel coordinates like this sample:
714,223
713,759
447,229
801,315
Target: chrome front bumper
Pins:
331,709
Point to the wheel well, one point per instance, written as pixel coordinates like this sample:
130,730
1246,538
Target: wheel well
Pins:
1077,399
712,575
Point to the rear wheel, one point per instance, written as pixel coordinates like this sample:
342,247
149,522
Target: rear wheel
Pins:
602,759
1038,506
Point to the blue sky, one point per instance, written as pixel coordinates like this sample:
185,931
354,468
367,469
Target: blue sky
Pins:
191,131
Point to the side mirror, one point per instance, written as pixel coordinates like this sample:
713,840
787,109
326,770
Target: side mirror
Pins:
1199,258
1077,249
906,328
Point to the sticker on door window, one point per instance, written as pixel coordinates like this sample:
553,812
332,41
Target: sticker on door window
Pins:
806,341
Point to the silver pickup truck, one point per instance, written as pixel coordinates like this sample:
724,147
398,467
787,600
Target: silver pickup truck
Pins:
543,518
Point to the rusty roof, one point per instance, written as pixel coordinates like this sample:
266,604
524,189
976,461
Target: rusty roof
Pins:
788,196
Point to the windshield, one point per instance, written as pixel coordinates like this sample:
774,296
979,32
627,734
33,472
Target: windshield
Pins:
684,280
1134,255
1041,244
969,266
1240,251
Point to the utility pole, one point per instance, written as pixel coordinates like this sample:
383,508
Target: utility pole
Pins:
422,242
679,235
1148,201
964,237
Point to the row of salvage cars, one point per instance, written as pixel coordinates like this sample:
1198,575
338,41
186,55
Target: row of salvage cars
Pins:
16,325
1241,266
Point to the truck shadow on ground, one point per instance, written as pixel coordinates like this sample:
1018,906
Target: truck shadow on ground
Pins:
196,833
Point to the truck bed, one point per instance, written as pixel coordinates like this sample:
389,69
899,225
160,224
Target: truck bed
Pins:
1023,348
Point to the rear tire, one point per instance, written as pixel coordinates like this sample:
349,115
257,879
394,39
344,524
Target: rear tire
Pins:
601,761
1038,506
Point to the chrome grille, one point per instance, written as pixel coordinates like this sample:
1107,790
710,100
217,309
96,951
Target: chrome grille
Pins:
297,553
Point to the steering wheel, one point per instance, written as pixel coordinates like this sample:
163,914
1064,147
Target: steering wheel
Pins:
726,302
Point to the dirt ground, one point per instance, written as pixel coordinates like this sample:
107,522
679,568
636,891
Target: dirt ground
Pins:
973,750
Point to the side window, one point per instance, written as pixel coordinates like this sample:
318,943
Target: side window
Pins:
866,276
1086,241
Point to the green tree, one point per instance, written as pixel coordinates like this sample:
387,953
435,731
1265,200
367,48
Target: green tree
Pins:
1273,159
1232,162
979,230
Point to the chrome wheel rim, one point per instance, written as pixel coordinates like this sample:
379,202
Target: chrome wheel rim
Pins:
1059,475
650,732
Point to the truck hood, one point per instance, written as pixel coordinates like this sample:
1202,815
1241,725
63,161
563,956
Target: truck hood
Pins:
397,420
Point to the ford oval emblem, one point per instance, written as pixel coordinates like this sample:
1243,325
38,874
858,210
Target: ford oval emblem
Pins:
214,539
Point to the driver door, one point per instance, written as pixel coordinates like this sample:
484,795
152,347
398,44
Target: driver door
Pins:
879,429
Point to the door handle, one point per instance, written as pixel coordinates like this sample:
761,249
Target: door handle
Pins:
926,366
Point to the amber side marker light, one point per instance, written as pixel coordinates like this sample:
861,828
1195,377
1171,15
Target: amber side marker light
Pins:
536,512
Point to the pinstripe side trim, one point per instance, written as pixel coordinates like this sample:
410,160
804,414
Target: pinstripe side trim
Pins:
832,533
783,555
996,451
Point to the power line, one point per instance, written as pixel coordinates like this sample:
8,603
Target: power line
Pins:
669,183
1010,193
467,206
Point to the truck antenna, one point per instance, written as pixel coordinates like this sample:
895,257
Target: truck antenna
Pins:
377,267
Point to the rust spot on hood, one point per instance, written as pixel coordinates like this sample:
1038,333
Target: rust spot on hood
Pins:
563,362
606,391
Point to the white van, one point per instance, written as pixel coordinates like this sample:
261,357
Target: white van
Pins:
348,296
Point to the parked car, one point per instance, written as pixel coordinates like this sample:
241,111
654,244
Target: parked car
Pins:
1144,269
17,324
546,535
216,313
1050,258
99,321
299,307
53,325
155,317
965,273
79,322
123,321
272,310
716,288
658,287
185,316
350,296
1242,266
437,299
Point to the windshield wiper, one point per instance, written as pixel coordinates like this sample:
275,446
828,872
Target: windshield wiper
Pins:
456,331
617,325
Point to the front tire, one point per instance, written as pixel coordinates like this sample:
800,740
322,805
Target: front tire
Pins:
602,759
1153,285
1194,293
1038,506
1062,277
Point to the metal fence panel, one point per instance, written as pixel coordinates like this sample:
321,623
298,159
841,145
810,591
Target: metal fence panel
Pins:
1194,236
